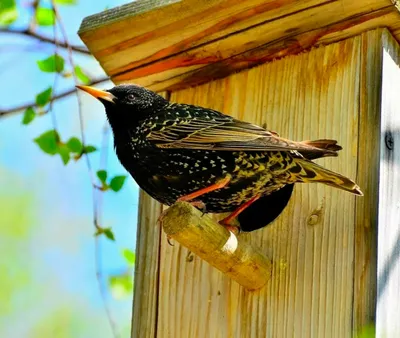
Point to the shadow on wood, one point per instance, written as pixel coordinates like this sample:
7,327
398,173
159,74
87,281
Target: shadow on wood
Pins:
212,242
265,210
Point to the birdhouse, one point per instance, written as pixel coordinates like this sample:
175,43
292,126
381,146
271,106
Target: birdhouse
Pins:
328,265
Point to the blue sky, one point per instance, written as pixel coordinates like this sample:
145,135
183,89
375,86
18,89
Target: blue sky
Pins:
62,244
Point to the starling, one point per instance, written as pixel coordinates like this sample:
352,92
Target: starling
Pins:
181,152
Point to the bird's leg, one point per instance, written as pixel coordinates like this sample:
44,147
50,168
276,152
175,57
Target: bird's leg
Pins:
227,220
218,185
199,205
190,197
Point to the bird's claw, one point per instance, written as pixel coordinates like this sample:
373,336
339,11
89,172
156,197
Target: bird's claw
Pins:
169,241
232,228
198,205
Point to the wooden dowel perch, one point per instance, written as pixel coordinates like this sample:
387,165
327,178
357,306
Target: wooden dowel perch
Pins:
216,245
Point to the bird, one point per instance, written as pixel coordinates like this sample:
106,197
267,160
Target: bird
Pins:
220,164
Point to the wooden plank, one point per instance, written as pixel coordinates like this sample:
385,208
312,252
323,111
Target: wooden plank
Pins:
306,96
254,46
145,297
328,17
191,42
178,27
367,207
388,291
274,50
115,16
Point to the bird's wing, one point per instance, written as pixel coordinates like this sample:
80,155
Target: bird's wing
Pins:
216,131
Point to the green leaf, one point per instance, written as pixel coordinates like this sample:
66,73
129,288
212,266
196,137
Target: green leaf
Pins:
102,175
129,256
45,16
121,286
106,232
29,115
8,12
109,234
65,2
44,97
74,145
54,63
63,150
81,75
117,182
89,149
48,142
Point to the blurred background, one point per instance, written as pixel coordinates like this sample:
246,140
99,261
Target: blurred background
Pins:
51,265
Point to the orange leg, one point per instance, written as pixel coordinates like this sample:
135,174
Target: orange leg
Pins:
227,220
220,184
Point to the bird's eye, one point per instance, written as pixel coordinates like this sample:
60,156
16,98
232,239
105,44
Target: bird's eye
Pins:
131,97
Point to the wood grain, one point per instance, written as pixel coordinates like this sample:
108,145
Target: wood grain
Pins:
237,259
145,300
366,217
190,42
178,27
388,288
307,96
148,241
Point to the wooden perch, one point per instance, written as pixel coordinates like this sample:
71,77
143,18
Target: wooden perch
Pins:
212,242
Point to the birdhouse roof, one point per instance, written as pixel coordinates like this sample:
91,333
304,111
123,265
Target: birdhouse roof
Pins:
170,44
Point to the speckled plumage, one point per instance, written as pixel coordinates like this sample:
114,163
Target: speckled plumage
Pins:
172,150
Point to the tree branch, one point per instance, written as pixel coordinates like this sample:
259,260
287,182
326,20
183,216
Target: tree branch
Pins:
66,93
43,38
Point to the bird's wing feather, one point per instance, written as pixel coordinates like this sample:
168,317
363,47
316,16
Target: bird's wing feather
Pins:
221,132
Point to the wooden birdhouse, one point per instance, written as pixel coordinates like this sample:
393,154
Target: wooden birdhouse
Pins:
329,264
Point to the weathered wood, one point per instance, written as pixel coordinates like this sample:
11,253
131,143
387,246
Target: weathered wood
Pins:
388,290
145,297
148,242
237,259
190,42
307,96
365,240
310,298
113,17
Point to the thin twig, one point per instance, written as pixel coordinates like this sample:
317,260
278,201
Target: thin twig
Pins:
103,161
43,38
32,23
18,47
68,92
96,212
98,220
52,113
72,64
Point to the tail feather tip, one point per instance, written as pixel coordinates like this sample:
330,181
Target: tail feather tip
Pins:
357,191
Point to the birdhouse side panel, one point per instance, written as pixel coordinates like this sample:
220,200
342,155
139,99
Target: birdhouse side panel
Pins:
312,95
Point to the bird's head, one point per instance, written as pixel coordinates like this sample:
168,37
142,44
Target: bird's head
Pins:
127,104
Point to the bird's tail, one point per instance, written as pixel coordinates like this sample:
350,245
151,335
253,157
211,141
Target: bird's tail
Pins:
324,147
312,172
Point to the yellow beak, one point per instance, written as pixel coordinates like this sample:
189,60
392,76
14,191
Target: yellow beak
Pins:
97,93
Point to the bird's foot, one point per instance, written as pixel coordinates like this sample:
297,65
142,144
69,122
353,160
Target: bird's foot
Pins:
228,226
226,222
159,223
197,204
169,239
